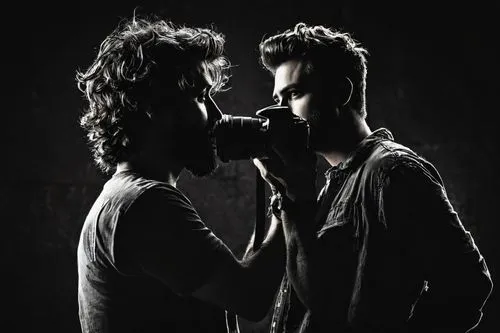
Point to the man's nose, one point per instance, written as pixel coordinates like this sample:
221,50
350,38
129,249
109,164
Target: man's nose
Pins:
214,113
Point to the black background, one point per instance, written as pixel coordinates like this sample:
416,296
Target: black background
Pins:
432,80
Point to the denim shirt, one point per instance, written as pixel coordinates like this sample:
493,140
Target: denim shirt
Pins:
408,264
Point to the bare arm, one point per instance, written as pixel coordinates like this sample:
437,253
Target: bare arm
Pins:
247,286
297,211
173,245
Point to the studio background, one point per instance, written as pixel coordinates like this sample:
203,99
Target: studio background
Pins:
432,80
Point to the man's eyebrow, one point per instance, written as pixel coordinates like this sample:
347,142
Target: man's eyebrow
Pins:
283,91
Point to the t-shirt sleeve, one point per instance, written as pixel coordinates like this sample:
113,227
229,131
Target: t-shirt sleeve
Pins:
163,236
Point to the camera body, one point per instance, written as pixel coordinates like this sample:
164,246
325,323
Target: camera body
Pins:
240,138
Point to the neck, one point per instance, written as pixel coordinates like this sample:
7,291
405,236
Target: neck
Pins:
157,168
347,141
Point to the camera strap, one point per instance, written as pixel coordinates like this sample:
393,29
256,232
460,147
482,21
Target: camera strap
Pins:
259,228
232,323
260,207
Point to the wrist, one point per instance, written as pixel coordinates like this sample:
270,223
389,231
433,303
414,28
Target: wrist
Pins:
275,205
297,205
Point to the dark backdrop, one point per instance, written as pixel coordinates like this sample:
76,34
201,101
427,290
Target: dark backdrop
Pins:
431,80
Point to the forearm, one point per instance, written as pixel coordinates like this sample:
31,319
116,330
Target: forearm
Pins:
264,269
301,249
247,286
295,191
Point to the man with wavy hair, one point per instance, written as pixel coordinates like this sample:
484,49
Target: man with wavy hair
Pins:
146,261
381,249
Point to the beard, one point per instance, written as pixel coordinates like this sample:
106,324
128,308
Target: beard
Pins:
326,131
320,132
196,151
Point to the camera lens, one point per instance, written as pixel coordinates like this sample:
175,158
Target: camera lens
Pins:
239,138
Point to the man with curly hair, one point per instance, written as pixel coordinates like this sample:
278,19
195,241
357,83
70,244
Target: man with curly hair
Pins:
381,249
146,261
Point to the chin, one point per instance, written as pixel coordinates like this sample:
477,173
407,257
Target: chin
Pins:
200,171
203,164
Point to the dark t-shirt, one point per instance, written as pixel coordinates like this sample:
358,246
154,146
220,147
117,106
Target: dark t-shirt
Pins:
143,250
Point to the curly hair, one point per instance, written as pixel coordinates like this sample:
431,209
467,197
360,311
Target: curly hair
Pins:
140,64
323,49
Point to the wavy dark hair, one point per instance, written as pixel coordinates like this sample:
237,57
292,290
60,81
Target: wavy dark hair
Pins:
139,66
324,50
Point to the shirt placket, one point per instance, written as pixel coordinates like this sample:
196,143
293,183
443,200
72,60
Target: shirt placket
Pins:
281,307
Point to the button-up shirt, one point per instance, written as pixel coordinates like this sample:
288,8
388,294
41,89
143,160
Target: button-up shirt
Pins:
395,254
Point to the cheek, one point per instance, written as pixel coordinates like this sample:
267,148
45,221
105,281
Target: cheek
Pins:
202,116
302,107
202,113
196,115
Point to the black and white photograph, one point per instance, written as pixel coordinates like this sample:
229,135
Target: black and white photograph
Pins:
250,167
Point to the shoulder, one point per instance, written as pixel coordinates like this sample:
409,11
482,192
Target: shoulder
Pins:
389,154
144,205
160,198
129,189
136,186
393,160
160,214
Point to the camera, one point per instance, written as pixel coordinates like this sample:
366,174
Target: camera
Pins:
239,138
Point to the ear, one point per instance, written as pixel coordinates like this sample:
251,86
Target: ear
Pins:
348,87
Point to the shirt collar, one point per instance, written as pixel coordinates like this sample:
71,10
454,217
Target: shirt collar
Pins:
361,152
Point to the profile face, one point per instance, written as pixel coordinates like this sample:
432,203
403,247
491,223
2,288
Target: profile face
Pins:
194,122
308,97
